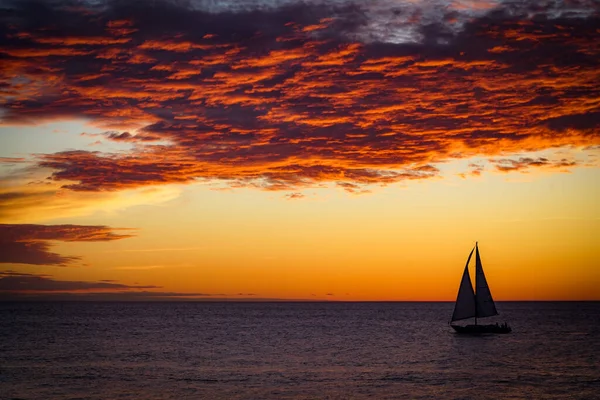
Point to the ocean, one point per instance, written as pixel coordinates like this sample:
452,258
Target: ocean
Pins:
212,350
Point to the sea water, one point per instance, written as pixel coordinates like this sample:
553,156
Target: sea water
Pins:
201,350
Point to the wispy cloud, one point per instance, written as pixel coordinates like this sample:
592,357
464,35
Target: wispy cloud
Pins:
12,160
139,267
523,164
152,250
474,170
295,196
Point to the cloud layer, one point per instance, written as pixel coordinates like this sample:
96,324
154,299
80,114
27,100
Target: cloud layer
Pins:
23,286
302,94
30,283
30,244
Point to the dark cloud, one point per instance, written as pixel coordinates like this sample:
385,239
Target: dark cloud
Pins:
23,286
284,97
129,296
65,233
30,244
12,273
8,197
31,283
293,196
124,136
524,163
31,252
583,122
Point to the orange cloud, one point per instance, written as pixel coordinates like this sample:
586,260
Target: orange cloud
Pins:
304,100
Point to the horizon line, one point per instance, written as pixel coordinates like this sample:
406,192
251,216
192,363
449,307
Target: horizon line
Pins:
75,298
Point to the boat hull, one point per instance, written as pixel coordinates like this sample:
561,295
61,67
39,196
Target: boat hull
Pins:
481,329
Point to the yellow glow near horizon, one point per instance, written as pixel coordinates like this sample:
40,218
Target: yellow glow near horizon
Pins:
537,241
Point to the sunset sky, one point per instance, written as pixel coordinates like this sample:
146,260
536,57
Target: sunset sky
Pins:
317,150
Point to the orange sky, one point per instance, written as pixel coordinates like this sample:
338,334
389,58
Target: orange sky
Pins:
299,151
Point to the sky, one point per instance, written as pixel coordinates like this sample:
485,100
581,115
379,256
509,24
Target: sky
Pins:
298,150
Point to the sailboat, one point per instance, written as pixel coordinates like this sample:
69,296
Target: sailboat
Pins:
475,303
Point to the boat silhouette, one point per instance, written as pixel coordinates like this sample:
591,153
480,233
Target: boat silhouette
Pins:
475,303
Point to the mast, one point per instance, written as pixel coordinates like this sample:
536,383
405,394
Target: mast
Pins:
475,288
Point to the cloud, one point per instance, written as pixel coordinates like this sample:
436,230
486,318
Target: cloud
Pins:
23,286
12,160
522,164
30,244
127,296
9,272
294,196
474,170
352,188
302,94
159,249
29,283
140,267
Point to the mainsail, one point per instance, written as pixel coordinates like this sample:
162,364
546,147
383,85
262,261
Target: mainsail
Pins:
465,301
485,303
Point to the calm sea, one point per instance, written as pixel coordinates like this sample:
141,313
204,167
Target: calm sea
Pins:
294,351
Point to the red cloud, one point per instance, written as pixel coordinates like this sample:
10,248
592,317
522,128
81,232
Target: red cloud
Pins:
288,97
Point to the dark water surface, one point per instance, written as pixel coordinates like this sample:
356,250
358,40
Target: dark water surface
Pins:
294,351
